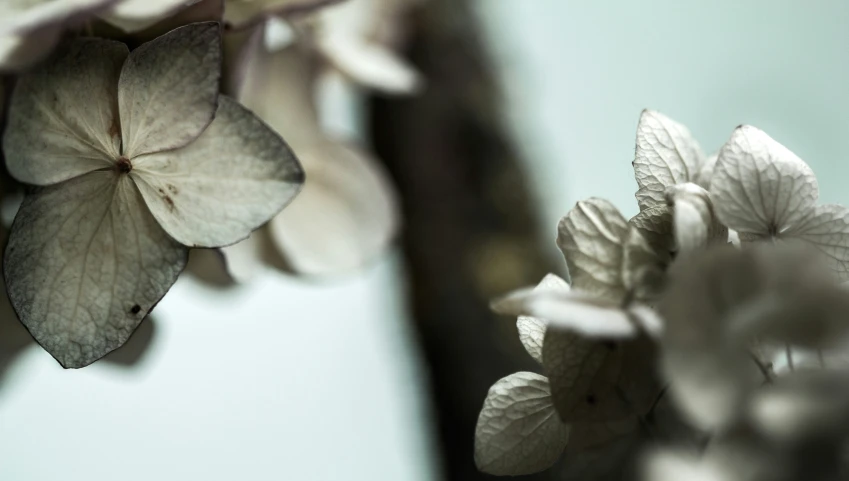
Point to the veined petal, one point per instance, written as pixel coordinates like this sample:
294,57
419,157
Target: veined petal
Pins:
135,15
232,179
168,92
532,329
518,431
759,187
667,154
22,16
346,214
85,263
827,228
591,237
694,222
63,119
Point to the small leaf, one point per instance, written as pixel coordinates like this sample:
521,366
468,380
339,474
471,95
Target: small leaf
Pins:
219,188
518,431
532,329
85,263
667,154
591,237
168,92
760,188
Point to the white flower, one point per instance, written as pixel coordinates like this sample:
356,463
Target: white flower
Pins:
136,157
347,213
672,173
765,192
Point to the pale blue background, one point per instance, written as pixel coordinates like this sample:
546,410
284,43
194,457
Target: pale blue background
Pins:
285,380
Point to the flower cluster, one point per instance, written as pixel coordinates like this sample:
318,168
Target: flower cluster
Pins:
697,340
141,129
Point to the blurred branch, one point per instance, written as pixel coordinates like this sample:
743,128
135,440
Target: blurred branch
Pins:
471,223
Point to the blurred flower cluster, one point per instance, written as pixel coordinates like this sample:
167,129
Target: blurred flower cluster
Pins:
705,338
135,130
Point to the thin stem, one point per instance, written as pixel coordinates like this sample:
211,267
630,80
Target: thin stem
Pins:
764,369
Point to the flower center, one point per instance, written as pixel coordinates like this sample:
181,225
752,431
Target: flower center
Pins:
123,165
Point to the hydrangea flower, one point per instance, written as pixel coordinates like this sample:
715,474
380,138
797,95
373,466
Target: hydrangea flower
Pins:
765,192
135,158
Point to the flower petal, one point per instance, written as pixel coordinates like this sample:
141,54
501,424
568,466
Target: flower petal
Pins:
591,237
85,263
24,16
240,13
134,15
346,214
518,431
694,221
371,65
532,329
168,91
228,182
18,52
63,120
759,187
667,154
827,229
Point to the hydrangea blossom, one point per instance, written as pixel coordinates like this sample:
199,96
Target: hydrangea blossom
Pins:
135,157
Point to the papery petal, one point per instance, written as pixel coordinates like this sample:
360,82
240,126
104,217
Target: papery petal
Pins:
827,229
18,52
667,154
63,120
18,17
279,88
518,431
759,187
239,13
371,65
345,216
591,237
532,329
135,15
85,263
694,221
168,93
225,184
705,175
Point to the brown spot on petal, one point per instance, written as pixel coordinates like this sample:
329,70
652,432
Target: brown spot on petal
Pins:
135,309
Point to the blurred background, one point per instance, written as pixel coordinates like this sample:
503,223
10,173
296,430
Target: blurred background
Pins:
529,106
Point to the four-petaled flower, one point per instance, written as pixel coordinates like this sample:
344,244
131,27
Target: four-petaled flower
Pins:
135,157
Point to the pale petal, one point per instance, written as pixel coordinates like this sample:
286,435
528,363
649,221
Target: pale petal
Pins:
591,237
85,263
705,176
683,466
694,221
371,65
21,16
240,13
168,91
244,260
644,264
571,310
279,88
18,52
532,329
518,431
667,154
135,15
63,119
759,187
594,381
219,188
827,229
345,216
